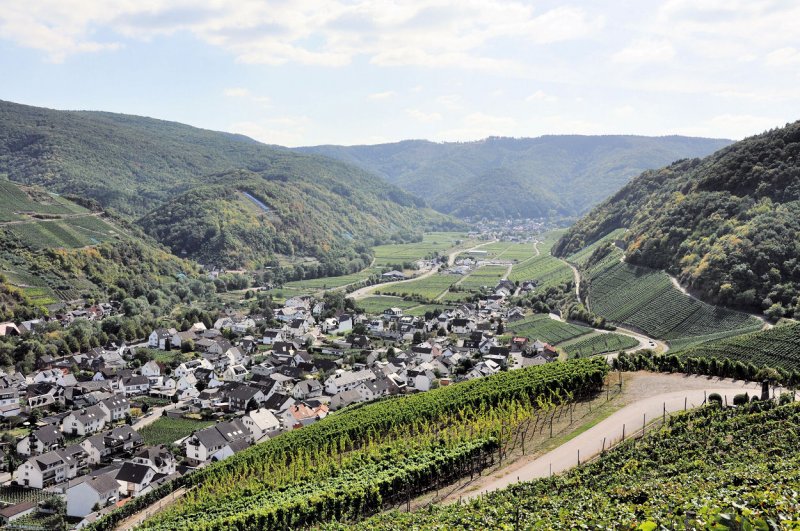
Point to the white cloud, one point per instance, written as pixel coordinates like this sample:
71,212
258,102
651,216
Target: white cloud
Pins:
237,92
382,95
424,117
645,51
431,33
541,95
787,56
284,130
734,126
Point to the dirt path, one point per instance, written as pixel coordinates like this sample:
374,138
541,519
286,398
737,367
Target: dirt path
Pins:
651,396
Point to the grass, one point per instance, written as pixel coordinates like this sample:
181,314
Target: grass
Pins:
331,282
375,304
167,430
425,288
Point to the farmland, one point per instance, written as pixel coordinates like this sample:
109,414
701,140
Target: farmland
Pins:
331,282
167,430
598,344
377,303
483,276
712,468
432,242
544,328
778,348
647,300
546,270
427,289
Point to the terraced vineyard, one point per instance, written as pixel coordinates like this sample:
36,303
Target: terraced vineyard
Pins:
544,328
713,468
778,348
69,232
546,270
353,463
15,201
599,344
332,282
646,299
487,276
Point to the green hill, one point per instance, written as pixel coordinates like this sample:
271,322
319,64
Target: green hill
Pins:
53,249
142,167
728,225
519,177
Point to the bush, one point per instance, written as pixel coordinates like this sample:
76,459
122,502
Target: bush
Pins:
785,398
715,398
741,399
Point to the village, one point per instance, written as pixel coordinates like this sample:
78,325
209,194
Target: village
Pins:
249,377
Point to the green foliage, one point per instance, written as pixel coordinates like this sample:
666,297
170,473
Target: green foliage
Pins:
726,225
599,344
713,468
525,177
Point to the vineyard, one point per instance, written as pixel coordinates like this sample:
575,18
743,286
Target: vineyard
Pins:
712,468
646,299
355,462
544,328
15,199
581,258
167,430
375,304
487,276
599,344
778,348
69,233
546,270
331,282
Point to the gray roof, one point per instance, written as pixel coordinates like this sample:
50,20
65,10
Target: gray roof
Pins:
132,473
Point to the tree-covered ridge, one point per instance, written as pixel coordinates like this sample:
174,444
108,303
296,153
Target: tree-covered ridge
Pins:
519,177
713,468
728,226
249,218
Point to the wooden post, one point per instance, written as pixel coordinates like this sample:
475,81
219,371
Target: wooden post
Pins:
664,414
704,397
604,446
644,422
685,402
579,456
623,432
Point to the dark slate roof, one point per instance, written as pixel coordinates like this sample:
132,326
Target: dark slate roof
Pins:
132,473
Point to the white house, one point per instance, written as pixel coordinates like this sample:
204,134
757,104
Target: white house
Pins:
346,380
133,478
261,422
44,439
234,373
115,408
85,421
156,457
307,389
201,446
87,493
161,338
273,335
134,385
41,471
151,369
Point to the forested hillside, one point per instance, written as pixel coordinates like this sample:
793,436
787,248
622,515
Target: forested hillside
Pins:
246,219
52,249
137,165
519,177
728,226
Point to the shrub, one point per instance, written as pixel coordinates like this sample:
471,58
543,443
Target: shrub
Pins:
715,398
741,399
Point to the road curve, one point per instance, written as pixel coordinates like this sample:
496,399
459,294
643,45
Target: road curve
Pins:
630,418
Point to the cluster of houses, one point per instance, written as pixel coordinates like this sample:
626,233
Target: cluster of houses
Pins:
257,379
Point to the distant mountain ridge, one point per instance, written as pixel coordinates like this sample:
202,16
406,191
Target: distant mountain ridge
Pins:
728,225
547,176
143,167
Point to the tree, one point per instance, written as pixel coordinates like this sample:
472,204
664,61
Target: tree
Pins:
252,405
174,398
500,329
145,407
418,338
187,346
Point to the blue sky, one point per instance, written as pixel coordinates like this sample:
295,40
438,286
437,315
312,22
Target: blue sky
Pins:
301,72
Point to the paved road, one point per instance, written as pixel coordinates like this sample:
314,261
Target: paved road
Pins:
590,442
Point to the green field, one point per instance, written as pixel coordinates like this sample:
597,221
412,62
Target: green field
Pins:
546,270
598,344
487,276
647,300
331,282
543,328
375,304
432,242
425,288
167,430
778,348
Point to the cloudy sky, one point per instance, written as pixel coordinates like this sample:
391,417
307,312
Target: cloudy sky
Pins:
300,72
